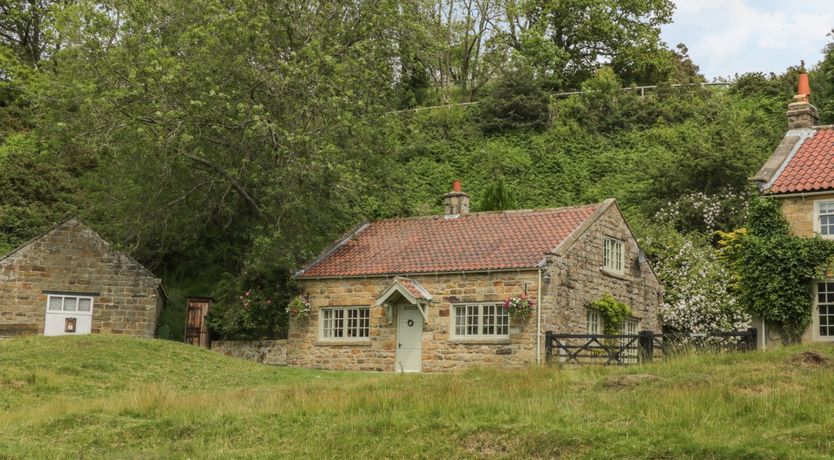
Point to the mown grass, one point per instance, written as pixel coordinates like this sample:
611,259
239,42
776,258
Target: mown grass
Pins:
97,396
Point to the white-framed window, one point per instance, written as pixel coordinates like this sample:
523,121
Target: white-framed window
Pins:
612,255
824,218
480,320
593,323
824,320
69,304
348,323
630,327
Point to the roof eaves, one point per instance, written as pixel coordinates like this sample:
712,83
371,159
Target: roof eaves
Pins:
349,235
799,136
565,245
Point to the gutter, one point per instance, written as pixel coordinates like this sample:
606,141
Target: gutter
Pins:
799,194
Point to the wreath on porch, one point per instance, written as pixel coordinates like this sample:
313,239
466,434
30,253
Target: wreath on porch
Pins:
298,308
519,307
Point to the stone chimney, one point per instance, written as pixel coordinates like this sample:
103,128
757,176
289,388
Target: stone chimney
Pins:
801,114
456,202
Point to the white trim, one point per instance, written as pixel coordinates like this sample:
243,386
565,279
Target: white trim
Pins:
597,321
815,323
344,328
453,333
63,298
539,320
798,194
613,257
816,219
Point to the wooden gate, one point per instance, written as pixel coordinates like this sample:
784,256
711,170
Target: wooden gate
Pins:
196,329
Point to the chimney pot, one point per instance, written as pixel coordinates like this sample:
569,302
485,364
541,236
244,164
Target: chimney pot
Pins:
456,186
801,114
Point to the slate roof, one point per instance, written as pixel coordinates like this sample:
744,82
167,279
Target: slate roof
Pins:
811,168
470,242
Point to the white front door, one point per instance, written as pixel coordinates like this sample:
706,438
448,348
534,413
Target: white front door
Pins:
409,339
68,315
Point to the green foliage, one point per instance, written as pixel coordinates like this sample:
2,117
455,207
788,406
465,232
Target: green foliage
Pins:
252,306
566,41
776,270
497,197
516,101
822,84
614,313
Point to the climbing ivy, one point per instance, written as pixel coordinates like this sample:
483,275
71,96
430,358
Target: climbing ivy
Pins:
775,270
614,313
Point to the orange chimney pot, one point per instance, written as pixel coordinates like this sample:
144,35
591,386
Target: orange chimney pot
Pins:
456,186
803,93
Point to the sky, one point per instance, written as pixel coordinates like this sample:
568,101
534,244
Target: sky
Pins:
726,37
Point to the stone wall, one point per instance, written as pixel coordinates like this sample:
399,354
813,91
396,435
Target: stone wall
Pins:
578,278
800,213
74,259
272,352
440,352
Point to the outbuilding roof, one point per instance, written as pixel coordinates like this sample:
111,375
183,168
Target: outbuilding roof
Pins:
483,241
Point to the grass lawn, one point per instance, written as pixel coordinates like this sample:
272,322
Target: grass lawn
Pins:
100,396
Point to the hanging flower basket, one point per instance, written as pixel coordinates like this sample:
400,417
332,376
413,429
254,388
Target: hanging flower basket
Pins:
519,307
298,309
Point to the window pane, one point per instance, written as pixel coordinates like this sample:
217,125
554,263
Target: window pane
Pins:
460,320
489,320
472,320
55,303
338,322
84,305
327,323
69,303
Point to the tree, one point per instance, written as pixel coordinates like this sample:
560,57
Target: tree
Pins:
567,41
497,197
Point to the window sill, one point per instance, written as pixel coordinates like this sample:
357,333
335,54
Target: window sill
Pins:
618,275
343,343
481,341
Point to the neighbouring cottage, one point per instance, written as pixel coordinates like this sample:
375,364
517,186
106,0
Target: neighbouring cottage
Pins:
800,174
69,281
426,293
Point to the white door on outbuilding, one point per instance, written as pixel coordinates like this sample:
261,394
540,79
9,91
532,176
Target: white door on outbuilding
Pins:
409,339
68,315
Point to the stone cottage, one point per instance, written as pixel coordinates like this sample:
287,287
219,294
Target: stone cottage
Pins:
69,281
426,293
800,174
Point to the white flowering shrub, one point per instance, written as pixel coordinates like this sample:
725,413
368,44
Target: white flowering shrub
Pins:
704,213
698,297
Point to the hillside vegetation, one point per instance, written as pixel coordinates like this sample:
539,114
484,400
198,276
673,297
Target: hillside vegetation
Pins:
99,396
225,146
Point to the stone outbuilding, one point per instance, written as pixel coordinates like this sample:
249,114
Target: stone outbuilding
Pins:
800,174
427,293
69,281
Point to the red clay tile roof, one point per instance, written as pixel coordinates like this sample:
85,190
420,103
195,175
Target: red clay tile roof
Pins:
470,242
812,166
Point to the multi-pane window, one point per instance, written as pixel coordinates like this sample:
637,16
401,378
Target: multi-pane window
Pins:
825,308
345,322
68,303
612,255
594,325
481,320
630,328
825,218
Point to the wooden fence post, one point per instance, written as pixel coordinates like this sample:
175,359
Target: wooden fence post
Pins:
646,345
